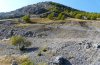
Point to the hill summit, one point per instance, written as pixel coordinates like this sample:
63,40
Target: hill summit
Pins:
43,9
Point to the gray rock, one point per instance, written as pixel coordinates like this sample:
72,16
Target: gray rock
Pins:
28,34
60,60
14,62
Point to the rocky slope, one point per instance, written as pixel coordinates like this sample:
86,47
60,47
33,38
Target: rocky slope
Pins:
77,42
37,9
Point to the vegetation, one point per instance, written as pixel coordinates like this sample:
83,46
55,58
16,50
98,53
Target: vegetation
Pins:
40,53
78,16
61,16
20,42
26,18
45,49
71,12
54,11
42,63
50,16
27,62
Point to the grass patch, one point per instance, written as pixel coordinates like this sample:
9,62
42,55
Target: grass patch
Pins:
27,62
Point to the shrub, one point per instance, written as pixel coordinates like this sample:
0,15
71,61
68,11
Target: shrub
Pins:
61,16
27,62
78,16
20,42
93,17
50,16
26,18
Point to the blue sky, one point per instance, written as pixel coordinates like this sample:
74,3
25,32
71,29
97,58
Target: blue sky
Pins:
86,5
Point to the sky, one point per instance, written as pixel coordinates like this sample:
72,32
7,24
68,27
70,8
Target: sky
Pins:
85,5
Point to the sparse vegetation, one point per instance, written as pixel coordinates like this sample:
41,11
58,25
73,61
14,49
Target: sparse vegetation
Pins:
40,53
59,16
78,16
26,18
20,42
27,62
44,49
50,16
63,17
42,63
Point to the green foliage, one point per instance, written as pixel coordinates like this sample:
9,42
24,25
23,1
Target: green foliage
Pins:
27,62
71,12
61,16
78,16
20,42
26,18
50,16
93,17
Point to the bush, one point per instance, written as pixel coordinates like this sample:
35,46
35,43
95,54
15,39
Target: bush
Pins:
50,16
93,17
78,16
61,16
27,62
26,18
20,42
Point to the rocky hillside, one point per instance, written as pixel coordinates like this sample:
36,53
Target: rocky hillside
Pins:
39,8
67,43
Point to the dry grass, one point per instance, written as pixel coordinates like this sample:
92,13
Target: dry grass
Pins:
42,63
22,25
7,60
41,20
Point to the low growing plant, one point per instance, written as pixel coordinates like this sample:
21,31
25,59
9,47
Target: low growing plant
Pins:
27,62
20,42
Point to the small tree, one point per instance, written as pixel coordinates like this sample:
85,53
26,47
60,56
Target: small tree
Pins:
50,16
26,18
20,42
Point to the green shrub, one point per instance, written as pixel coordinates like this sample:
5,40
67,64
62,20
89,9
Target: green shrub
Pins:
20,42
78,16
27,62
50,16
61,16
26,18
93,17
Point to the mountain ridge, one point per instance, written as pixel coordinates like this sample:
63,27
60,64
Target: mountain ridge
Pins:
30,9
44,7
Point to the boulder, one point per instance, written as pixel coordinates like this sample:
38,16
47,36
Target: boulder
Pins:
60,60
28,34
14,62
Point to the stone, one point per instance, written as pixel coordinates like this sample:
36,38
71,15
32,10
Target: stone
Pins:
29,34
60,60
14,62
